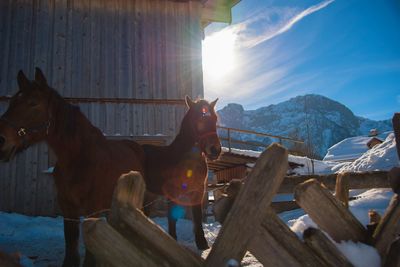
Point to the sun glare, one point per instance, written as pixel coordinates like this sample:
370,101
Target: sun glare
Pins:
218,54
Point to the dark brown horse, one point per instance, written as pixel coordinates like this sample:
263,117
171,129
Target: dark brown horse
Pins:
88,166
179,171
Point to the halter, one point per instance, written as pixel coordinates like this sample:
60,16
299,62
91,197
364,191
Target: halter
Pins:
202,137
23,131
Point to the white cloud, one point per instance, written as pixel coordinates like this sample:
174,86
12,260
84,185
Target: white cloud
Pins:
288,18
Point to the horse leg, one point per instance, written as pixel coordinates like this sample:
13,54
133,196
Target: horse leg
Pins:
71,235
89,260
171,220
201,241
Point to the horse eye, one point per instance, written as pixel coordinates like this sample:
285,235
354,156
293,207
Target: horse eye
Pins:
32,103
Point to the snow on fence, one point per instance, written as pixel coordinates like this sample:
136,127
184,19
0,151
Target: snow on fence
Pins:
131,239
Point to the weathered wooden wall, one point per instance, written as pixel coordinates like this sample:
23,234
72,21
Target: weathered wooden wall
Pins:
97,48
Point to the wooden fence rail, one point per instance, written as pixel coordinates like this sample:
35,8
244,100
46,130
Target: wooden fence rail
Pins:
129,238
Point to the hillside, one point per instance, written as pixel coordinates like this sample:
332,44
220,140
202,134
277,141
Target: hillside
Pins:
316,118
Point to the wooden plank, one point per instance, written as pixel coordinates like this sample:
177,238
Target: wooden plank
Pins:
389,227
363,180
282,206
392,259
290,250
59,45
128,220
109,246
342,188
324,248
262,184
5,33
328,212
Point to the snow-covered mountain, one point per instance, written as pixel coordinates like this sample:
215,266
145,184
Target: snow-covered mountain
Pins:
313,118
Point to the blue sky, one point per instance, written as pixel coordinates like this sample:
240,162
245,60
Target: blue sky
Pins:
347,50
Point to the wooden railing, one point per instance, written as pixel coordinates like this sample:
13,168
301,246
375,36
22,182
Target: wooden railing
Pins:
230,140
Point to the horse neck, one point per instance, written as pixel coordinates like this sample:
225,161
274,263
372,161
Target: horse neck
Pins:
70,131
184,141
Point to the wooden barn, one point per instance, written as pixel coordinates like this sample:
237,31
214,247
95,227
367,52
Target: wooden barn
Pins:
127,63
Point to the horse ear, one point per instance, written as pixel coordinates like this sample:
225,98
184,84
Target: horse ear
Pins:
212,104
39,77
189,101
23,82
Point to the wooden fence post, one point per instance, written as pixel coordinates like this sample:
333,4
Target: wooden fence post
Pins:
129,221
109,246
342,189
244,219
392,259
277,245
328,212
324,248
389,227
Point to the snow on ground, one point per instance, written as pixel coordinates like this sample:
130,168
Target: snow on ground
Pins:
40,239
359,254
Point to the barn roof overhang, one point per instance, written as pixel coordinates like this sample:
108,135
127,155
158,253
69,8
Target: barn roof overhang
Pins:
217,11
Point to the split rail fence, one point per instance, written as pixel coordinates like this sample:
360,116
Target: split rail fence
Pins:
129,238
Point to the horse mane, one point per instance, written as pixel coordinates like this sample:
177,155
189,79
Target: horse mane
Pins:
64,115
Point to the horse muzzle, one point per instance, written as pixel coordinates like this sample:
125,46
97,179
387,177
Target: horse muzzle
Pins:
7,154
213,152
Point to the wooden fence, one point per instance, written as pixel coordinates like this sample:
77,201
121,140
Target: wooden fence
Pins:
131,239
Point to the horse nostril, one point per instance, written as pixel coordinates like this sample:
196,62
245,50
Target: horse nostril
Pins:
214,151
2,140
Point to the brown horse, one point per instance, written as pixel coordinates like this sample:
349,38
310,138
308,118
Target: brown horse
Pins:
179,171
88,166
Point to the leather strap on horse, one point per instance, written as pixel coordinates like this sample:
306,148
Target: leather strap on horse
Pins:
204,136
23,131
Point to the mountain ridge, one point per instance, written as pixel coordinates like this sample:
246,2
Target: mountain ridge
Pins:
318,120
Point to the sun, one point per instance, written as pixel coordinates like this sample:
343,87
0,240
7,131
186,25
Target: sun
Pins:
219,55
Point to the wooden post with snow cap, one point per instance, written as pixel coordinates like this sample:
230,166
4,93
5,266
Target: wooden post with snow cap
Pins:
324,248
276,245
389,227
328,212
140,231
244,219
342,188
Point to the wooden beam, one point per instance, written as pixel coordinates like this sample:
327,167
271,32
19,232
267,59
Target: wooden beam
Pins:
362,180
109,246
152,240
392,259
217,13
261,185
282,206
328,212
389,227
140,231
394,179
324,248
342,189
277,245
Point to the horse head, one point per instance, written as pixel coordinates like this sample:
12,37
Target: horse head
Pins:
203,124
27,118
